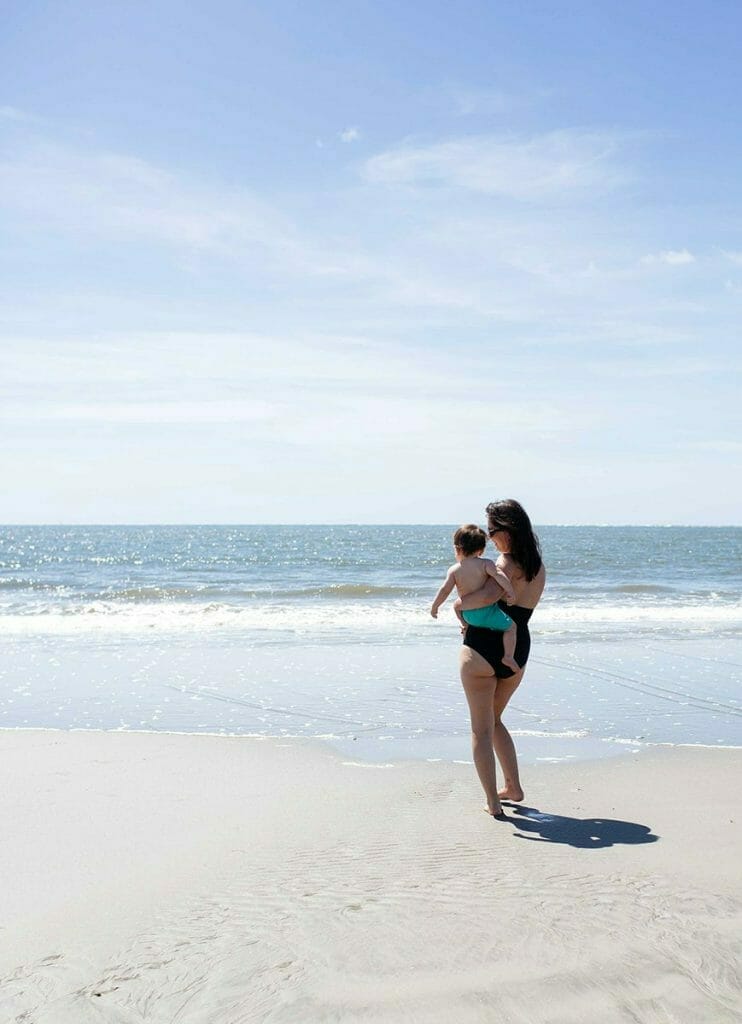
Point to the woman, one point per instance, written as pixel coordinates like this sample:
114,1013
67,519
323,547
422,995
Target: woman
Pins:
488,683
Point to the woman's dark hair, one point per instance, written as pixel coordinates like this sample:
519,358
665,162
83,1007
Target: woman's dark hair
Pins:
509,515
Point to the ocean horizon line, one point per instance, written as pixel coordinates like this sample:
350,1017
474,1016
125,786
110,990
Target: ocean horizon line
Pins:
452,523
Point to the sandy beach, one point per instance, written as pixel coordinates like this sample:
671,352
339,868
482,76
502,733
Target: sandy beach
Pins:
206,879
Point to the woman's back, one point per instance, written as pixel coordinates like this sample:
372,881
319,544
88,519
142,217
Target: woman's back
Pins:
527,592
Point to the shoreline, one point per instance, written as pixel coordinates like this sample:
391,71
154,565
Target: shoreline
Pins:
238,879
613,748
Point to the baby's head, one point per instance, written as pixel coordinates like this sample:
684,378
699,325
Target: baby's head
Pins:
469,540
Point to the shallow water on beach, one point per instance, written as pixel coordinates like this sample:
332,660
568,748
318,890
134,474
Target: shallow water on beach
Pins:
325,632
379,703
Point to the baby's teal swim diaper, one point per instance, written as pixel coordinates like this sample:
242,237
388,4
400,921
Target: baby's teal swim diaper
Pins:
491,617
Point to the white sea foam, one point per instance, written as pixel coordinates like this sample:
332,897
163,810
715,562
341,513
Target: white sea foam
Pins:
554,615
366,764
622,741
567,734
391,620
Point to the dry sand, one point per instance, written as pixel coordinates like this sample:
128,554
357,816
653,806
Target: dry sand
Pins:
202,879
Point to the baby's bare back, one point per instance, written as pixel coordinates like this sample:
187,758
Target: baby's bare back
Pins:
470,575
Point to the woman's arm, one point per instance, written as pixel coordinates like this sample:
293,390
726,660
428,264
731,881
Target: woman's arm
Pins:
490,593
500,577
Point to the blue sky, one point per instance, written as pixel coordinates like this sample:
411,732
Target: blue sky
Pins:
370,262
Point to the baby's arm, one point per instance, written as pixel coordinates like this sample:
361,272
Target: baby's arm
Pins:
497,574
445,590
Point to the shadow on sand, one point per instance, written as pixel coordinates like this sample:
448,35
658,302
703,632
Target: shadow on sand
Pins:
584,833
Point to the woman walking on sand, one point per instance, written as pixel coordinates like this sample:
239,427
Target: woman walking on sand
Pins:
488,683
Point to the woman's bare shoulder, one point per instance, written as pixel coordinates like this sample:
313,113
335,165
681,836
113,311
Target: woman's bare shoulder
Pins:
527,592
510,566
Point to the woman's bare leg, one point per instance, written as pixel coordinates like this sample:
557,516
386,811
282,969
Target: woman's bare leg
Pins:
479,684
503,741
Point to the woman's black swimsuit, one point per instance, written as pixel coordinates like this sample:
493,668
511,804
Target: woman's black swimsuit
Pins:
488,642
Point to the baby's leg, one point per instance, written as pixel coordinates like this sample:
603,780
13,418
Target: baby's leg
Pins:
509,638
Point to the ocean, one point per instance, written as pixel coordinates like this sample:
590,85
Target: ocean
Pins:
324,632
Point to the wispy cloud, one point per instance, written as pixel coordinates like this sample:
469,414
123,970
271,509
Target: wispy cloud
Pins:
468,101
720,446
98,193
349,134
321,389
218,411
477,101
464,262
536,168
113,196
8,113
672,257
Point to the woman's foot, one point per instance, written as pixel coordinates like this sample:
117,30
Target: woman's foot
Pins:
514,793
510,663
494,809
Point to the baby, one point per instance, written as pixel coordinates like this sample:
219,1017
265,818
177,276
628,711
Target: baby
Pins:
469,574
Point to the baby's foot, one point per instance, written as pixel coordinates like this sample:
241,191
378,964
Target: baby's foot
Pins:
511,663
